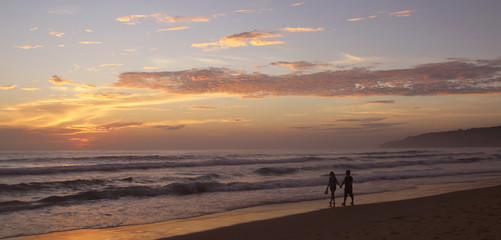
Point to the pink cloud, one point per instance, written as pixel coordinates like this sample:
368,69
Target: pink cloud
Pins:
302,29
457,76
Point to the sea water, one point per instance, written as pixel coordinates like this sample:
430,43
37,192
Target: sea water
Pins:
43,192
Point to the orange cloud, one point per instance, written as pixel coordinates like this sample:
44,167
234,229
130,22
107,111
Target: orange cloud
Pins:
28,46
355,19
106,95
88,112
88,42
296,4
264,42
458,76
404,13
172,29
131,19
150,68
239,40
110,64
252,10
60,81
93,128
30,89
6,87
54,33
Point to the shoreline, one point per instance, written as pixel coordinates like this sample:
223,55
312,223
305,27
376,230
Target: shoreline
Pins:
455,215
201,225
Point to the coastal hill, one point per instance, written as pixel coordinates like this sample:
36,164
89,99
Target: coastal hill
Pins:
474,137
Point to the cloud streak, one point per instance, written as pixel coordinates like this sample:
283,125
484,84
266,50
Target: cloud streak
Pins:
170,127
89,42
164,18
172,29
296,4
131,19
60,81
301,65
363,124
302,29
30,89
456,76
402,13
27,47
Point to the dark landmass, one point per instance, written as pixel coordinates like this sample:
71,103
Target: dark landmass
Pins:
475,137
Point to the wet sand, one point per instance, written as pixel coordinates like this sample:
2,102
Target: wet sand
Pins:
426,213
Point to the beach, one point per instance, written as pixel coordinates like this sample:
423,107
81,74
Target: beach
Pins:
470,214
465,214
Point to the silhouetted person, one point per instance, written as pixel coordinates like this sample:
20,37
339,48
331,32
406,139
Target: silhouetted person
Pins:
348,186
332,185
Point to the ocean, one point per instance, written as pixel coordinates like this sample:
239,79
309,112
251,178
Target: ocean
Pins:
50,191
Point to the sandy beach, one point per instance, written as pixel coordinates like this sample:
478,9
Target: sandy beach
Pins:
441,214
471,214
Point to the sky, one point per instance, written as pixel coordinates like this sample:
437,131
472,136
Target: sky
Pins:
225,74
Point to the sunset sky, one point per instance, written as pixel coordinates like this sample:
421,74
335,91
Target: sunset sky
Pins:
217,74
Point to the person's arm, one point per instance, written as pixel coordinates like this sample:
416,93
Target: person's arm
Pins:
338,184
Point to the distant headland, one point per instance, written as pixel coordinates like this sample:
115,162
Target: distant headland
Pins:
474,137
